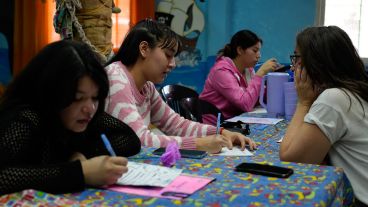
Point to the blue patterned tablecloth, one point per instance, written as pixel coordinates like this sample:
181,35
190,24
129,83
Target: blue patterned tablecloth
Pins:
310,185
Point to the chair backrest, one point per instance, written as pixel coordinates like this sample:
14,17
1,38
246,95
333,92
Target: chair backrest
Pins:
208,108
192,109
195,108
172,95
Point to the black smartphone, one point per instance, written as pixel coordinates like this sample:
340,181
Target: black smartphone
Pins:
195,154
283,68
263,169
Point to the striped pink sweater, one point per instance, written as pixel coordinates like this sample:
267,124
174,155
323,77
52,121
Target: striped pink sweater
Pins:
140,108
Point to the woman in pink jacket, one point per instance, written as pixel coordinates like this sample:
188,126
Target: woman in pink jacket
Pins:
232,85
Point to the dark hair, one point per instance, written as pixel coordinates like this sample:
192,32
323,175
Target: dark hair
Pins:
243,39
48,84
154,33
331,61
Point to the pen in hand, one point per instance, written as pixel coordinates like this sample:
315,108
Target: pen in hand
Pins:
108,145
218,123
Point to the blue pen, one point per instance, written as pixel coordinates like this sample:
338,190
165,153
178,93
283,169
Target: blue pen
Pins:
218,123
107,144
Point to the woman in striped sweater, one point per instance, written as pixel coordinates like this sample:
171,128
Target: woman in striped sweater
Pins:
145,57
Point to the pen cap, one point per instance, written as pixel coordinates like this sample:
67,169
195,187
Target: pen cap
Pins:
108,145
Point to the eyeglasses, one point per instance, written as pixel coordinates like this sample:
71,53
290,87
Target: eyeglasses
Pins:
294,58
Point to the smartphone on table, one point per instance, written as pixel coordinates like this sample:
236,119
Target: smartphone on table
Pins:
264,169
194,154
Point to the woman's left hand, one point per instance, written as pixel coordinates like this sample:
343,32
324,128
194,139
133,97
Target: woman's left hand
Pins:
239,139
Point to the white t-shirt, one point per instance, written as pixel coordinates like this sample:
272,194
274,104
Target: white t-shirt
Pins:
347,130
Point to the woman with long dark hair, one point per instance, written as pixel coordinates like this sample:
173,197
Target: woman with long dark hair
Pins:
145,57
331,116
232,84
51,119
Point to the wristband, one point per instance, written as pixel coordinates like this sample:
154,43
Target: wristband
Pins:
221,130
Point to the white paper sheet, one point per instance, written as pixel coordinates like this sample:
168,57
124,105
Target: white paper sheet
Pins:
254,120
280,140
141,174
258,110
234,152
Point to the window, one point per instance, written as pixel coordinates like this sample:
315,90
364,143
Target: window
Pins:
52,35
120,22
351,16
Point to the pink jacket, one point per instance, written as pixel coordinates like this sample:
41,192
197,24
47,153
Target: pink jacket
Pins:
227,89
140,108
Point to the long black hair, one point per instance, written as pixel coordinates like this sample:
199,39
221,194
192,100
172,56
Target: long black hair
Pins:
331,60
243,39
48,84
154,33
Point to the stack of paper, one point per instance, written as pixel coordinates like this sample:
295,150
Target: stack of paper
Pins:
171,183
254,120
258,110
234,152
141,174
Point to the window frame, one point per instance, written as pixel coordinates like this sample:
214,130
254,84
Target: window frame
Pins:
320,18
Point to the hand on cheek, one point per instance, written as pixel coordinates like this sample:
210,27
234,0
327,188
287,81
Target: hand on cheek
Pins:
304,86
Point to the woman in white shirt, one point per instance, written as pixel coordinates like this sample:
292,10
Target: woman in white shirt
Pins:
331,117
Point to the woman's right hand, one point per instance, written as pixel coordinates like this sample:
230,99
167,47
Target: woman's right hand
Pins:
77,156
213,143
268,66
103,170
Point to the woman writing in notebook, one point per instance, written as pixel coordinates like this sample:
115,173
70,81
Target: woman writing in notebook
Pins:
145,57
232,85
51,119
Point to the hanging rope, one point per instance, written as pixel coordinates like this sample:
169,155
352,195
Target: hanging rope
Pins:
65,21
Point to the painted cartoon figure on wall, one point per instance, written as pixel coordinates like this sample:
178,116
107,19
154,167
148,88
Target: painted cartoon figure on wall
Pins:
187,20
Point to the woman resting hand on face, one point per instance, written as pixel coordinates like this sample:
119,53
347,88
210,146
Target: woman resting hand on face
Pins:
331,116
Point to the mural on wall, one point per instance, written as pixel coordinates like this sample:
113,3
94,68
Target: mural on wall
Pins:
206,26
187,20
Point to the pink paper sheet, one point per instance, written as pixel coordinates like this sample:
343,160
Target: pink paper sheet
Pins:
186,184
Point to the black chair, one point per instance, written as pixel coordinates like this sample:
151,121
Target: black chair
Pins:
191,108
195,108
172,94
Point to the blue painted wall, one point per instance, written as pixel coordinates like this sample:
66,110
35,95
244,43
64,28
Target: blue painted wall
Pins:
276,21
